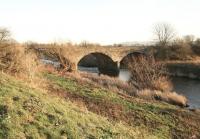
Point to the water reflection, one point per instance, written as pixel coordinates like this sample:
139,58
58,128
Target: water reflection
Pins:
124,75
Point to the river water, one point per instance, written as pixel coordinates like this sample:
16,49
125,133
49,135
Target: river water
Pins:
187,87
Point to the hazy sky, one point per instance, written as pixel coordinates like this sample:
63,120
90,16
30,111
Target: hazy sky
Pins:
103,21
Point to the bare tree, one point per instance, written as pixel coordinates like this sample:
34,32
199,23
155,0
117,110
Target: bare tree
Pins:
164,33
4,34
84,44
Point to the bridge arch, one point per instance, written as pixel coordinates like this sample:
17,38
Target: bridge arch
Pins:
105,64
127,58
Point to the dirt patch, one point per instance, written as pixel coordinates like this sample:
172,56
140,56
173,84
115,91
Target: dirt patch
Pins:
101,107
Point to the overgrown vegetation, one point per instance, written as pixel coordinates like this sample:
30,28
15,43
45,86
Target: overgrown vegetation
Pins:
16,60
180,49
177,51
196,47
169,47
147,73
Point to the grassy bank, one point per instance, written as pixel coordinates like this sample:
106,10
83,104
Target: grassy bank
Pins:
26,112
160,119
70,109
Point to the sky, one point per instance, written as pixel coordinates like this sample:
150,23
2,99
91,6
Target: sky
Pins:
98,21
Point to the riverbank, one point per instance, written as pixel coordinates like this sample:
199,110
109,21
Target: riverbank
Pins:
181,85
69,108
188,69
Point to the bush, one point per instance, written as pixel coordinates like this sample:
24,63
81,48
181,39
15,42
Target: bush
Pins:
196,47
163,83
147,73
16,60
178,51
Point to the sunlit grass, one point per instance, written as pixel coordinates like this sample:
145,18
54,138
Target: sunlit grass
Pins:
29,113
159,118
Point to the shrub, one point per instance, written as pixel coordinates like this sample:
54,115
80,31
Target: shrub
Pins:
148,73
16,60
177,51
163,83
11,58
196,47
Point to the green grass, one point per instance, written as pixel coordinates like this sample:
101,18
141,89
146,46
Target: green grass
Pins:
27,112
160,119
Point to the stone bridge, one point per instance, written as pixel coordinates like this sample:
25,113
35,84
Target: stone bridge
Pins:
108,59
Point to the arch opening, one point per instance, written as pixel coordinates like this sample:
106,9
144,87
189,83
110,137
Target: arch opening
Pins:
99,63
128,59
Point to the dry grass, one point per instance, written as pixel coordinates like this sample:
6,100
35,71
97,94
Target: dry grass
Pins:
11,58
112,83
20,62
163,84
169,97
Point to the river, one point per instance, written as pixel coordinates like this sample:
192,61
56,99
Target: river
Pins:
187,87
